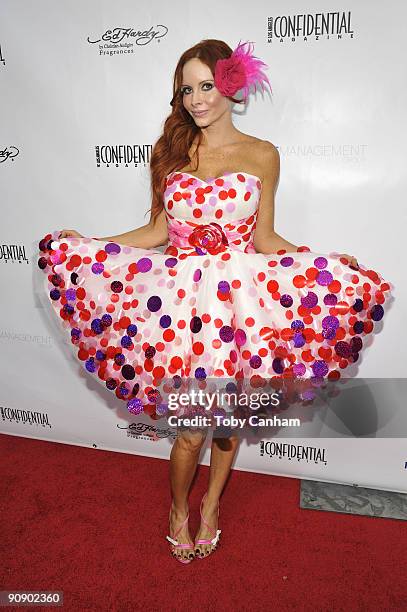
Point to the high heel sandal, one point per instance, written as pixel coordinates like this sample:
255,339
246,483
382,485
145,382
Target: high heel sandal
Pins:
175,543
214,540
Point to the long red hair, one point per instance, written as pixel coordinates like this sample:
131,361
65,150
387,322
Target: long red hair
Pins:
170,152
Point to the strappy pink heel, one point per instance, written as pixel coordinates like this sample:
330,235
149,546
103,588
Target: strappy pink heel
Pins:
175,543
214,540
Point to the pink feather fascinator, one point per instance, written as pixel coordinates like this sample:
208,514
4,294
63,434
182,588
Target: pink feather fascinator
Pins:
241,70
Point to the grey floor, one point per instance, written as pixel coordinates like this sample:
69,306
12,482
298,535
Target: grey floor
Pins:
352,500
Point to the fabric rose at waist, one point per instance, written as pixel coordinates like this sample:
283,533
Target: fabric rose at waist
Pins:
210,238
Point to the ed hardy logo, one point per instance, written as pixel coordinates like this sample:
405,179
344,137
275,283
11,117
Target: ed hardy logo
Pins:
121,40
8,153
147,431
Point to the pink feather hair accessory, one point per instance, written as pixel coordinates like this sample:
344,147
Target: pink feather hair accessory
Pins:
240,71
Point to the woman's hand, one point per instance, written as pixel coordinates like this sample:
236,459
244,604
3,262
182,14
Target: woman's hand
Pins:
352,261
65,233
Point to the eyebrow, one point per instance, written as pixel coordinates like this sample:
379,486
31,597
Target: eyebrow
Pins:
204,81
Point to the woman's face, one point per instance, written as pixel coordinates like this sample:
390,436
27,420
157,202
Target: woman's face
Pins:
200,94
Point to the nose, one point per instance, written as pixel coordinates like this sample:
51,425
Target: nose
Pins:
196,98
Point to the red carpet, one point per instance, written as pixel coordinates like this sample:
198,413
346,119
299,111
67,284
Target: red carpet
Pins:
93,524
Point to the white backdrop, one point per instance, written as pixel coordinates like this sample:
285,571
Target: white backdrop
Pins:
337,116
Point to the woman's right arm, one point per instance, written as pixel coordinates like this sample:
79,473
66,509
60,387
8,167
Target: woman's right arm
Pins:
149,236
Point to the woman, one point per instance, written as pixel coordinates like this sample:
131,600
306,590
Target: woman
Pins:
213,203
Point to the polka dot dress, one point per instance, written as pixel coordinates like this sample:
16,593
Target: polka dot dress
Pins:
210,306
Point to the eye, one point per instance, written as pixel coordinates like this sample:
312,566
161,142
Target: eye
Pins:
185,90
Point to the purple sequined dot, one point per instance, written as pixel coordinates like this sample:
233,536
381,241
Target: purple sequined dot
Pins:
171,262
154,396
97,326
299,340
255,361
286,300
330,321
107,320
126,342
42,263
119,358
90,365
162,409
42,245
54,294
356,344
310,300
197,275
320,262
135,405
377,312
358,305
320,368
150,352
165,321
128,372
154,303
70,294
240,337
297,324
226,333
112,248
97,268
100,355
76,333
111,384
324,278
116,286
277,365
299,369
223,286
329,333
195,325
144,264
123,391
330,299
343,349
358,327
200,373
308,395
231,387
176,381
286,261
68,309
132,330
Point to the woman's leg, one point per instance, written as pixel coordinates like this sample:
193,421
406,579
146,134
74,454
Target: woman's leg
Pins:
183,462
223,451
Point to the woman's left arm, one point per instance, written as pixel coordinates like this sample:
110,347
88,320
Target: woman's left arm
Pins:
266,240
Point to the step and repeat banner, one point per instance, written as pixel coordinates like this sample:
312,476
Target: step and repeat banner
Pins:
85,90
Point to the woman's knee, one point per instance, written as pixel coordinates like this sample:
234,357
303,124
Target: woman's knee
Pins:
191,440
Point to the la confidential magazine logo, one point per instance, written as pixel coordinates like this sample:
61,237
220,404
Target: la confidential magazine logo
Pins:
310,26
122,155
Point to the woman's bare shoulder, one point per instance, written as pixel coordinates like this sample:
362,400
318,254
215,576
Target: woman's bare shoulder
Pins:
262,147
